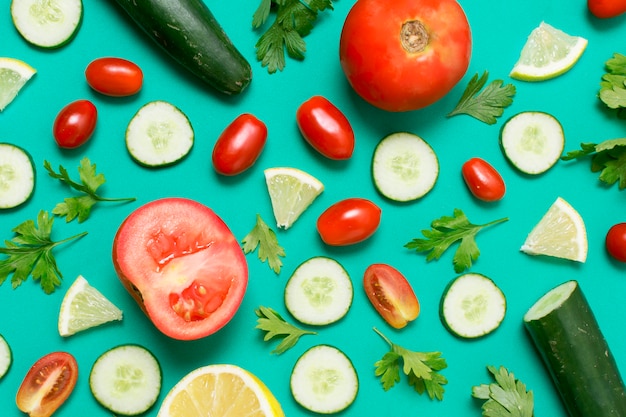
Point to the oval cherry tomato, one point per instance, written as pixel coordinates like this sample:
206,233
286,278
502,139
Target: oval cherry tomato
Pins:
325,128
605,9
348,221
483,180
405,55
115,77
239,145
391,295
47,385
616,242
75,124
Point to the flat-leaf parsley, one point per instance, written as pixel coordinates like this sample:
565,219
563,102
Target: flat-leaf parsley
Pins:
507,397
274,325
613,85
608,158
263,237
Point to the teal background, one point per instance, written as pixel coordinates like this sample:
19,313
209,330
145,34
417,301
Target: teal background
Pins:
500,28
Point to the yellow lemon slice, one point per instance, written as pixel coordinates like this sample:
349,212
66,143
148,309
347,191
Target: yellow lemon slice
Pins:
14,74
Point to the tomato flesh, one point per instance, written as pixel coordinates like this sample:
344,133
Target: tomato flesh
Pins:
391,295
615,242
239,145
182,265
114,77
483,180
605,9
75,124
47,385
349,221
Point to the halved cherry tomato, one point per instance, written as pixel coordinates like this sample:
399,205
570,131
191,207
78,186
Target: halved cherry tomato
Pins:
75,124
182,265
391,295
239,145
616,242
47,385
348,221
605,9
115,77
483,180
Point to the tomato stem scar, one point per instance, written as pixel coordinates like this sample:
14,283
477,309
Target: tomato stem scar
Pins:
414,36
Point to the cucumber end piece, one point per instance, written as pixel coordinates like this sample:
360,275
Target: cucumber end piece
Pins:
550,301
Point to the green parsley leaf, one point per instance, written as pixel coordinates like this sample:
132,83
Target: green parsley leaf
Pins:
507,397
30,254
294,20
80,207
448,230
421,368
613,84
275,326
608,158
485,105
263,237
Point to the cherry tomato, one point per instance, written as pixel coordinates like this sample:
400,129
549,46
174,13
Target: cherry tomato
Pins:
391,295
47,385
483,180
616,242
605,9
348,221
115,77
75,124
239,145
325,128
406,54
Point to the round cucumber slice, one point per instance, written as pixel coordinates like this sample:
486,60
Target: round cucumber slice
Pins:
47,24
17,176
6,357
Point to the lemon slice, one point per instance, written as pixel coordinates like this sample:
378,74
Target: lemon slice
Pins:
560,233
291,191
220,390
14,74
547,53
84,307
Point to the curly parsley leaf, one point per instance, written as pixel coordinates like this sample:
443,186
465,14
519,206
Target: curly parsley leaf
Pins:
485,105
29,253
263,237
608,158
79,207
507,397
275,326
613,84
448,230
421,368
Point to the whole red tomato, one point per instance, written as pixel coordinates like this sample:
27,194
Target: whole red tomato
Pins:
75,124
483,180
115,77
605,9
239,145
348,221
616,242
406,54
325,128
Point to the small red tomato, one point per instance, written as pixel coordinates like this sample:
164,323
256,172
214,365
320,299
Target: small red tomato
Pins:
348,221
239,145
115,77
605,9
75,124
391,295
325,128
47,385
616,242
483,180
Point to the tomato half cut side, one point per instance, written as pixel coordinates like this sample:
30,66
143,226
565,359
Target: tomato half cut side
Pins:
47,385
348,221
182,265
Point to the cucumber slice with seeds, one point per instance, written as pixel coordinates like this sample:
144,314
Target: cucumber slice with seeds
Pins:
17,176
6,357
47,24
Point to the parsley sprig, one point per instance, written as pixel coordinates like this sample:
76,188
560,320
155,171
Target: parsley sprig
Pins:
613,85
507,397
263,237
448,230
608,158
421,368
30,254
275,326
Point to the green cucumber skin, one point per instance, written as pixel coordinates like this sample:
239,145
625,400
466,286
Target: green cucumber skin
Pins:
578,358
190,34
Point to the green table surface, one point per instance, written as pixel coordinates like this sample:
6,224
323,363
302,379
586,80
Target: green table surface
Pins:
500,28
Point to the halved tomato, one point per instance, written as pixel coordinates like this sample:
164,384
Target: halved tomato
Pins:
47,385
183,266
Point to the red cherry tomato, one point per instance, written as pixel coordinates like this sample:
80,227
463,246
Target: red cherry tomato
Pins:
239,145
605,9
348,221
115,77
483,180
406,54
325,128
391,295
616,242
47,385
75,124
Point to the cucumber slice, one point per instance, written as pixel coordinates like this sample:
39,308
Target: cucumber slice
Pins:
472,306
159,134
404,167
319,291
17,176
126,380
324,380
47,24
6,357
532,141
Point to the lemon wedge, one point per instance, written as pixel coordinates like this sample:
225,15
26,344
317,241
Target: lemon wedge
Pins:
14,74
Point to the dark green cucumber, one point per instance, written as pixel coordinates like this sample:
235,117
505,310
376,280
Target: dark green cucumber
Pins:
568,338
190,34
